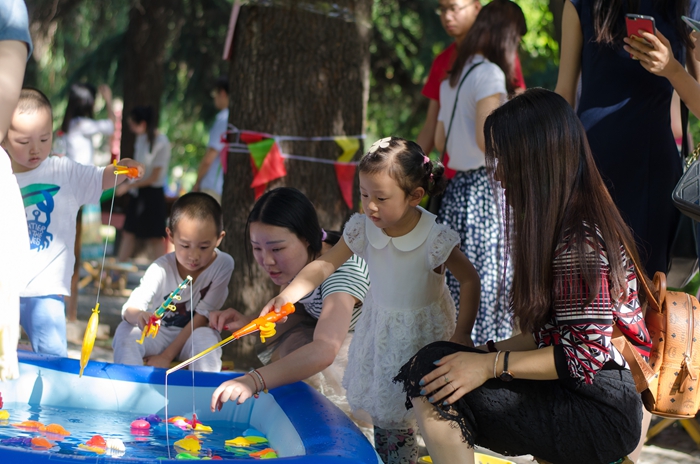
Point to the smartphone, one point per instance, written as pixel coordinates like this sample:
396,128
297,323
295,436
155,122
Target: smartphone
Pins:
636,23
694,25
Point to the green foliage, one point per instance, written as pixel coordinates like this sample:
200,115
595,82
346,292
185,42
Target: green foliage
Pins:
540,51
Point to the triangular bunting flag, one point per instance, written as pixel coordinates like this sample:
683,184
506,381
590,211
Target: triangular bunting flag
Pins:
259,150
349,147
272,168
345,174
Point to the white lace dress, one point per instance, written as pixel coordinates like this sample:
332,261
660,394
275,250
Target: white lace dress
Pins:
408,306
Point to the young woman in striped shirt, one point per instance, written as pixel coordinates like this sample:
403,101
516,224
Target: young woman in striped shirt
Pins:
285,235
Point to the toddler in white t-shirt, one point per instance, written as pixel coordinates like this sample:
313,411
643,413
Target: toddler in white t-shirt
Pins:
53,190
196,230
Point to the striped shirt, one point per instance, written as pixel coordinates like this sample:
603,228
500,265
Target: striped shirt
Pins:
582,335
351,278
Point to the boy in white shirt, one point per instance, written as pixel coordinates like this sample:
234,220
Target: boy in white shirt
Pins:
195,230
53,190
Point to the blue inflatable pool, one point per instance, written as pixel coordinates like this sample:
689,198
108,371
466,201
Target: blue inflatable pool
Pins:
301,424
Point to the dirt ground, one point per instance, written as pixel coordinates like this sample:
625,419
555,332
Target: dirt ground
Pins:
672,445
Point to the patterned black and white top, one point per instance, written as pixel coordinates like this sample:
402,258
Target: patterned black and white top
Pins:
351,278
582,335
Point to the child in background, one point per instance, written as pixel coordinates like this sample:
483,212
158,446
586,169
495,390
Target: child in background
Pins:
146,214
53,190
408,304
79,123
196,230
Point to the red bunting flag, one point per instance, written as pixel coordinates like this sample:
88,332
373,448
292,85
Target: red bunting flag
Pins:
272,168
345,174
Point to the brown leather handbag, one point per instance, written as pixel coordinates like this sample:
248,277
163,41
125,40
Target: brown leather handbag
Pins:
669,382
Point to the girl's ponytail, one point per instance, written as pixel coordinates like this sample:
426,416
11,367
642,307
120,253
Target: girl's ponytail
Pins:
437,180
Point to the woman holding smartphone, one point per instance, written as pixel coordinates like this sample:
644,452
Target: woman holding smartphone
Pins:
625,111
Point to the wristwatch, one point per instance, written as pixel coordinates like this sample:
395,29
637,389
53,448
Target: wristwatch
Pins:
506,375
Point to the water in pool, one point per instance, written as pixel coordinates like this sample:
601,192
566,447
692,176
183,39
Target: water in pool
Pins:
84,424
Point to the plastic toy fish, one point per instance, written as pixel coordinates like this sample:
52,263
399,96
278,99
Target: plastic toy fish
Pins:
92,449
239,442
17,441
29,425
253,432
139,424
131,172
152,419
151,329
54,429
173,431
97,441
4,415
267,453
265,324
189,444
115,444
256,440
89,338
40,442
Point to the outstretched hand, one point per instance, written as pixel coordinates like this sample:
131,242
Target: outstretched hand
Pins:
653,52
228,319
238,390
275,304
456,375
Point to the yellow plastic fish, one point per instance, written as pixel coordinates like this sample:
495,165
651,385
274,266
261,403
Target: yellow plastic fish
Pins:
92,449
240,442
256,440
189,444
199,427
89,337
4,415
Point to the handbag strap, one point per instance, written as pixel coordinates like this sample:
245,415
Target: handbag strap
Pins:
640,277
454,107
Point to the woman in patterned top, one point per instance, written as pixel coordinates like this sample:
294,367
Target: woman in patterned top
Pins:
285,234
560,390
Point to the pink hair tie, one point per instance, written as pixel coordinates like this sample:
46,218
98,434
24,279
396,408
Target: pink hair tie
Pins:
324,235
426,160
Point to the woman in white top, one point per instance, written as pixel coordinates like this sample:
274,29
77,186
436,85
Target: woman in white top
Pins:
79,124
146,213
480,81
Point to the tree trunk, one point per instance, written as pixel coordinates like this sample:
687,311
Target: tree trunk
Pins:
144,58
296,70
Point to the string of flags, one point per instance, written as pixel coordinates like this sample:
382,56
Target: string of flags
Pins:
267,159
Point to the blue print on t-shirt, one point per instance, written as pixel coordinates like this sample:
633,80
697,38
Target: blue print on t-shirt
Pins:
40,195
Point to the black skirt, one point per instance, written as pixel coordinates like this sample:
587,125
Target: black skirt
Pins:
145,213
587,424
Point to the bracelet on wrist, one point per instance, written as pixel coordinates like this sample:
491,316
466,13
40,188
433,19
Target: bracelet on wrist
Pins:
495,364
262,380
255,382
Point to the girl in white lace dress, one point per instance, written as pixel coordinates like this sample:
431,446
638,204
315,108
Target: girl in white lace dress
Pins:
408,304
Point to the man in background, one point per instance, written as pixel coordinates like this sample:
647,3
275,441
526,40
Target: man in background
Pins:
210,175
